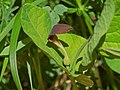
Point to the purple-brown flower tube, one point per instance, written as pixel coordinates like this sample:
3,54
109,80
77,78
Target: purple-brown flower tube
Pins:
60,29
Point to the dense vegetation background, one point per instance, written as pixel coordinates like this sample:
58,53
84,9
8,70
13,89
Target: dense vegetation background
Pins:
37,53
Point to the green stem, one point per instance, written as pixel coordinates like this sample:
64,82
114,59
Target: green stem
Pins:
97,75
88,21
86,2
83,26
86,17
110,76
38,73
73,82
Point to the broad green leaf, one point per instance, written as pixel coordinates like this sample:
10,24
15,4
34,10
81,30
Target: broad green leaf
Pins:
13,45
36,24
4,67
111,46
100,30
73,43
60,9
114,64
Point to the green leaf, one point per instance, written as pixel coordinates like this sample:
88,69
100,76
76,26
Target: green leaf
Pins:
20,45
100,30
30,77
13,45
60,9
36,24
7,29
4,67
36,2
85,80
74,42
54,18
114,64
2,44
72,10
111,46
111,52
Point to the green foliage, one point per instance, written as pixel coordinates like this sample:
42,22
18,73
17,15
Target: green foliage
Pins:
33,59
100,30
111,45
12,52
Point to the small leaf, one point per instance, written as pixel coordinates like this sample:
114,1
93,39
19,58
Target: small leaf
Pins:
54,18
72,10
85,80
60,9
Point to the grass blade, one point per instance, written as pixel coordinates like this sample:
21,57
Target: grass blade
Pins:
4,68
13,45
7,29
30,77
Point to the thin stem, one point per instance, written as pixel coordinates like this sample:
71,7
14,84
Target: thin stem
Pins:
110,75
83,26
38,74
88,21
73,82
97,75
86,3
69,3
